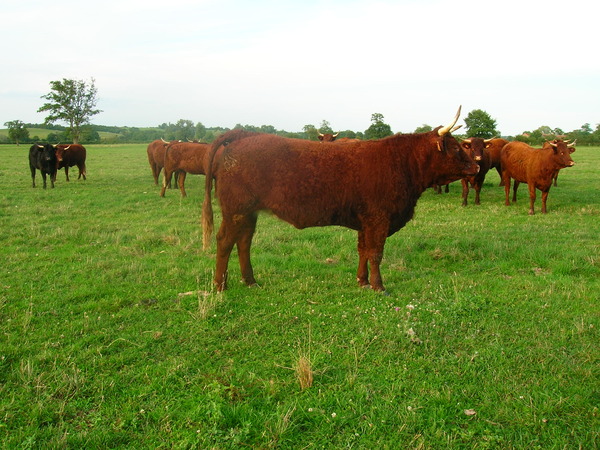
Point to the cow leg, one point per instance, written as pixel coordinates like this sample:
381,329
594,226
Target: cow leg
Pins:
155,173
244,242
532,199
362,275
544,198
167,174
67,172
515,187
44,178
477,191
465,191
506,184
81,171
181,182
236,229
32,176
370,248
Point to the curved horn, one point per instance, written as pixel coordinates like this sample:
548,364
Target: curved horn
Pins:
442,131
320,134
163,140
336,134
572,144
468,140
553,144
487,141
67,148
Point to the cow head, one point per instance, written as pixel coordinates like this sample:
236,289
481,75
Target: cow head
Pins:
562,151
46,154
451,162
475,147
328,137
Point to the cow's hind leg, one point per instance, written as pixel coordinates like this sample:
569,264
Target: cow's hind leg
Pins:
236,229
370,248
244,242
67,172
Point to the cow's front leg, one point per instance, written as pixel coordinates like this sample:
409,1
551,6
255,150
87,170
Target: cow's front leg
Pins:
362,275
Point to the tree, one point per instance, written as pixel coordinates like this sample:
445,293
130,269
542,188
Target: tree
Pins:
325,128
480,124
17,131
423,128
71,101
378,129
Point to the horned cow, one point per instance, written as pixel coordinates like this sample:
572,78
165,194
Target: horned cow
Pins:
368,186
533,166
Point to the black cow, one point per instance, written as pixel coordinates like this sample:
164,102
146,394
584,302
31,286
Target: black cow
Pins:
43,158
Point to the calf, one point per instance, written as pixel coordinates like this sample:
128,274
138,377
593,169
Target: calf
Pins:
69,156
183,158
476,149
536,167
43,158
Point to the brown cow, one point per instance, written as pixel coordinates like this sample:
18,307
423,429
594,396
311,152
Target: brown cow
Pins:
156,157
536,167
571,147
327,137
369,186
69,156
494,147
183,158
476,148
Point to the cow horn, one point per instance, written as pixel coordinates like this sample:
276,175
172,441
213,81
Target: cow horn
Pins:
163,140
468,140
572,144
67,148
553,144
442,131
320,134
336,134
487,141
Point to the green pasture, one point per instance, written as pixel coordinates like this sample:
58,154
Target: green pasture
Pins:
112,337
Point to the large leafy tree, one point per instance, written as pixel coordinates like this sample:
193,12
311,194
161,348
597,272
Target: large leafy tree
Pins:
73,102
378,129
17,131
480,124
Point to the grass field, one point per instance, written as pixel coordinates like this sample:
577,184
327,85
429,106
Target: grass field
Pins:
112,337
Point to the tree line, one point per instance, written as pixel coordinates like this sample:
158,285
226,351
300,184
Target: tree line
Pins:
74,102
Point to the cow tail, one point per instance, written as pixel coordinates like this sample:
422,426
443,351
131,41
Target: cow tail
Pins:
207,210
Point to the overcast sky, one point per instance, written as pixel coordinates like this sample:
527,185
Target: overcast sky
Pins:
293,63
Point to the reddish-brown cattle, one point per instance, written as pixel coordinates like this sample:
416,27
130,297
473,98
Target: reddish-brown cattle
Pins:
476,149
156,157
69,156
571,147
327,137
494,147
533,166
183,158
369,186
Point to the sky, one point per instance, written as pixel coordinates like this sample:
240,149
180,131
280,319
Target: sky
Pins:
294,63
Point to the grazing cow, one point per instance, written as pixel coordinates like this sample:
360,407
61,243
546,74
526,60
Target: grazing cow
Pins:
476,148
183,158
69,156
536,167
571,147
369,186
327,137
156,157
494,147
43,158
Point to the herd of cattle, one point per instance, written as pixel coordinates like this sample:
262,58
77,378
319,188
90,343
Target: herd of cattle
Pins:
371,186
